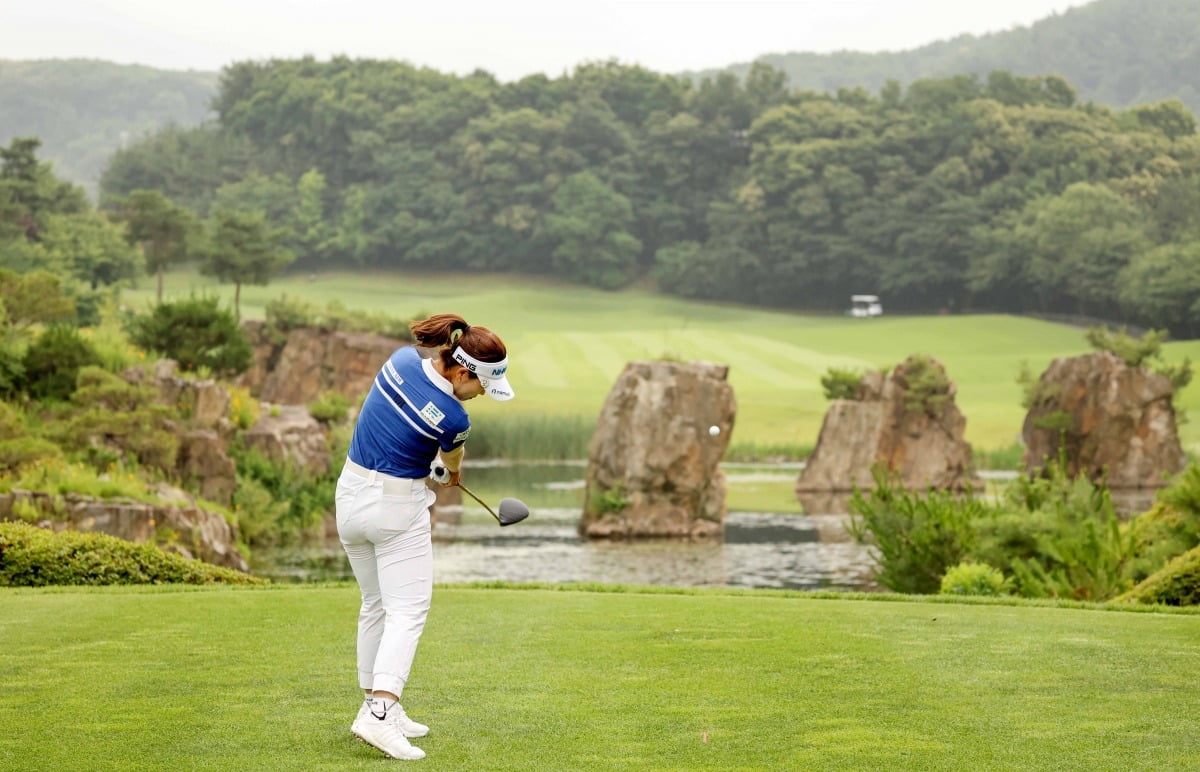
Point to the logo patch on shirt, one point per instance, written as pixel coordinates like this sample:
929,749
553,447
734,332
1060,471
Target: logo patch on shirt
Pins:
462,436
431,414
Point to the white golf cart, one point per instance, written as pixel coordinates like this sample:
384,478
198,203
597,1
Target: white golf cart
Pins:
862,306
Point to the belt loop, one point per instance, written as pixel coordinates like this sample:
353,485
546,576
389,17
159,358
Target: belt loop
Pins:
371,477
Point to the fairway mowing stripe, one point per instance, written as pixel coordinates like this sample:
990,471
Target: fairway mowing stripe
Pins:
538,359
811,361
595,350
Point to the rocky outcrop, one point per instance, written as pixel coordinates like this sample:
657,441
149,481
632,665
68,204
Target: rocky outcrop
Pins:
652,462
289,434
309,361
206,431
179,526
890,424
1113,421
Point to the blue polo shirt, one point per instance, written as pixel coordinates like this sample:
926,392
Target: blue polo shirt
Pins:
409,414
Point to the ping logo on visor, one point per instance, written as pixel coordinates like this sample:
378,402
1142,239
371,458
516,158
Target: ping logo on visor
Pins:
482,369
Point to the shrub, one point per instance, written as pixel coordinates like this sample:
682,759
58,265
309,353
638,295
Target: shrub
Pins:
926,385
974,579
916,537
196,333
36,557
1171,527
330,407
116,419
52,362
19,452
839,383
244,409
1175,584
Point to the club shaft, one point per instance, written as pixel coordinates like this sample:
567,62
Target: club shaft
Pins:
481,502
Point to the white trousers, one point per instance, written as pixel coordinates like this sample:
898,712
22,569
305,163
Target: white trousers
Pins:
383,524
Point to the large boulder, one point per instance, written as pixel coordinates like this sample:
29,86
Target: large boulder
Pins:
1111,420
289,434
890,424
652,462
309,361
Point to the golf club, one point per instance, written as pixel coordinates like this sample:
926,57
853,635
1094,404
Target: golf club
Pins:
511,510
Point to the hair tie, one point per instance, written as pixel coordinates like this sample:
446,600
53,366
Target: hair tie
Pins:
454,336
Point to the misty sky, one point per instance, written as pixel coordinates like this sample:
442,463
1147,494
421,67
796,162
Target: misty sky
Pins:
509,38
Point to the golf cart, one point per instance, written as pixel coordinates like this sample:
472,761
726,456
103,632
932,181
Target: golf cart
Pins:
862,306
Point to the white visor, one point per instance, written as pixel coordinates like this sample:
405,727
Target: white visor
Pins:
493,375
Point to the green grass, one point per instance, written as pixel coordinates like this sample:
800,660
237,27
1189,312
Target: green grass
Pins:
535,679
569,343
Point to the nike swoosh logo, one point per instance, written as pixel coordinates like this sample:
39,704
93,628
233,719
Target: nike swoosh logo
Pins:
379,716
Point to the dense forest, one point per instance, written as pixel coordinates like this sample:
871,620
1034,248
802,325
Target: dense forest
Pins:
1116,52
1003,193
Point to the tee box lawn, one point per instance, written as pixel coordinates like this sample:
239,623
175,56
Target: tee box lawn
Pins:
569,343
575,679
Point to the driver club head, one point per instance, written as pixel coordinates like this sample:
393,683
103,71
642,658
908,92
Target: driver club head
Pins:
512,511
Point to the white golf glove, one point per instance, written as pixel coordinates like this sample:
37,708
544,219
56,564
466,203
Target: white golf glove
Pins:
438,473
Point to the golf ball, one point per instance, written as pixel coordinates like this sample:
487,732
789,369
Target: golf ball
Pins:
714,430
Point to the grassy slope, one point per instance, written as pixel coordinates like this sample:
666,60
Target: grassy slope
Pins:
570,343
537,679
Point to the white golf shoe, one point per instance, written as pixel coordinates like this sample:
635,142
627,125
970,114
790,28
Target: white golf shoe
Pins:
396,713
384,734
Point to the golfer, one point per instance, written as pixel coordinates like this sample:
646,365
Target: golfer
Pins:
412,415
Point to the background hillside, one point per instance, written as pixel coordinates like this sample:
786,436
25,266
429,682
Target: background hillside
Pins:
83,109
1115,52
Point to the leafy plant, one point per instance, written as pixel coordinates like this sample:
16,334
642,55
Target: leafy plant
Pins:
36,557
196,333
916,537
927,387
969,578
840,383
53,361
330,407
610,501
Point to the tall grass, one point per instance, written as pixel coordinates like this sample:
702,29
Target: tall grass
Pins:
531,437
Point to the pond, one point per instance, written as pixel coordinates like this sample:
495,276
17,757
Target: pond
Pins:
769,542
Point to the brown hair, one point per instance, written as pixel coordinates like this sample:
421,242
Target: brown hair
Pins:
451,330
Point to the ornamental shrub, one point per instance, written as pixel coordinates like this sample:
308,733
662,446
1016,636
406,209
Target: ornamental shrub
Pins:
197,333
1175,584
916,536
840,383
37,557
969,578
52,362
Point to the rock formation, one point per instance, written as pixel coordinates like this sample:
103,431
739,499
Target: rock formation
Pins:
289,433
311,361
652,462
1113,421
890,424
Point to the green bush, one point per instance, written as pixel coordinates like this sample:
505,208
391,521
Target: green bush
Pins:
1171,527
839,383
287,313
926,386
36,557
916,537
52,362
197,333
21,452
330,407
974,579
1175,584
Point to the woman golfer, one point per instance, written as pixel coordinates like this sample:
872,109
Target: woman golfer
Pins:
413,414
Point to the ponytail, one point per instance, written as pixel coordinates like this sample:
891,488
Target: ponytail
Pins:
450,331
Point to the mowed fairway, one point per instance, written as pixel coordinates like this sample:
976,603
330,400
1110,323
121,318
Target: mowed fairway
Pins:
535,679
568,344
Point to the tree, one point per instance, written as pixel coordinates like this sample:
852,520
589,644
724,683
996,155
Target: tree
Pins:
242,249
159,227
591,225
90,247
34,298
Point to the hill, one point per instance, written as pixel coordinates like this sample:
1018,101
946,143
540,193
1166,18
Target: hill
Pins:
84,109
1115,52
